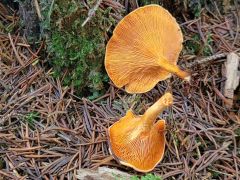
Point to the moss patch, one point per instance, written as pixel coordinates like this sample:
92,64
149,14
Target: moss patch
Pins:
76,53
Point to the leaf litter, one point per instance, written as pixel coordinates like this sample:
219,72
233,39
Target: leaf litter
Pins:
47,132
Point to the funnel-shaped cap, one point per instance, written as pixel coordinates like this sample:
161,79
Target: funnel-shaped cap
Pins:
144,49
136,141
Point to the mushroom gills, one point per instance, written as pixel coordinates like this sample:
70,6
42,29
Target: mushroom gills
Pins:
138,141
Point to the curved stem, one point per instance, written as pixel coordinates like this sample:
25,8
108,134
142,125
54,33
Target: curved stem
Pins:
163,63
151,114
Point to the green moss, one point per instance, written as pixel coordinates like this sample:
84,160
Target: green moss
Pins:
146,2
147,177
193,45
196,46
30,117
195,7
207,50
76,53
144,177
2,163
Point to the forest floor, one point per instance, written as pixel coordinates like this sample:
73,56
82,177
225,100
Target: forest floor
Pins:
47,131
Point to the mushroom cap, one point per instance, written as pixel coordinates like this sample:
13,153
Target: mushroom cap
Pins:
136,145
139,42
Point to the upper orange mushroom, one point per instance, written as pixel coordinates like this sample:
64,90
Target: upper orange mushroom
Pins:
144,49
137,141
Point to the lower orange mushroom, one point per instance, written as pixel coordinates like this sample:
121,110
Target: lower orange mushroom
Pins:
137,141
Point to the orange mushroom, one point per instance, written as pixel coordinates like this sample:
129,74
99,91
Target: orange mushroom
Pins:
144,49
137,141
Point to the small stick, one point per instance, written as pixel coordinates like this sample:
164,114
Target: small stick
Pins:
7,175
25,149
36,4
15,51
91,12
207,59
41,156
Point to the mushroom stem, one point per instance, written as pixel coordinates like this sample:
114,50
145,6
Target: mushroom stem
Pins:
151,114
174,69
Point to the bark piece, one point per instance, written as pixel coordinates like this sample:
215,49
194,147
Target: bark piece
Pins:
232,75
103,173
